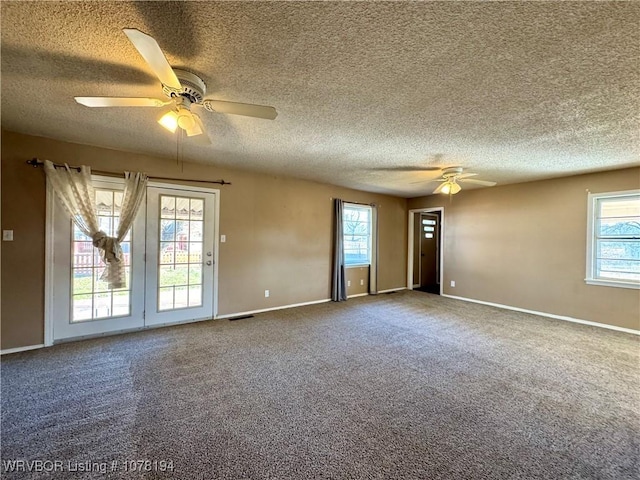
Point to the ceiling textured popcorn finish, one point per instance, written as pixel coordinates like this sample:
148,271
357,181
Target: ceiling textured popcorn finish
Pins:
365,91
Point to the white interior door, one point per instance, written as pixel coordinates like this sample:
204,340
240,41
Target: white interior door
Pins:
82,304
180,255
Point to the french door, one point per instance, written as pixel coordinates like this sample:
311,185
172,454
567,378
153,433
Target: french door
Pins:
180,255
169,257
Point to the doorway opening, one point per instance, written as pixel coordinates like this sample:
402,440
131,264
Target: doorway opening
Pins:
425,253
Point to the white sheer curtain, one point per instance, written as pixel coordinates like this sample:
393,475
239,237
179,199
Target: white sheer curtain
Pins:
76,192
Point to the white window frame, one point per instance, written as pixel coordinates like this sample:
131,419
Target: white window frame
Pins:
370,233
591,274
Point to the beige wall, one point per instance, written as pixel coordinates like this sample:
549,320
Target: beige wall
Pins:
354,276
278,231
524,245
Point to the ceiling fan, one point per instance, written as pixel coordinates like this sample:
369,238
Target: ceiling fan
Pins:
450,178
183,89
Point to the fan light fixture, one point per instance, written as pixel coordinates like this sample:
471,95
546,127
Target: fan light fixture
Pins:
184,119
169,121
450,188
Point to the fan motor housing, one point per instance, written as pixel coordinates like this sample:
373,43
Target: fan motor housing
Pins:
193,87
451,172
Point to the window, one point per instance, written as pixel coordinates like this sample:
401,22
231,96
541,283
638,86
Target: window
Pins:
357,234
613,243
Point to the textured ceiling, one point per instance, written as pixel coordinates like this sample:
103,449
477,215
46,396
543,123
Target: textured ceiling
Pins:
514,91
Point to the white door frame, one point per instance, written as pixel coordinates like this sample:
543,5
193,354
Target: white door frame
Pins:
49,252
410,245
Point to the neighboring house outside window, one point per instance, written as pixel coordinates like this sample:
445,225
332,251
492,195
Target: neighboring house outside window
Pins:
613,242
357,234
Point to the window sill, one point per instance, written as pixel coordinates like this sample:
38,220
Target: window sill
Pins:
358,265
612,283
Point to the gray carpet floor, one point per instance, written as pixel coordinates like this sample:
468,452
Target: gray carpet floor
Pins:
409,385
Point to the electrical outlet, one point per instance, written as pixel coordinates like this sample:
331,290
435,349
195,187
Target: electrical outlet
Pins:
223,238
7,235
348,283
361,282
266,294
453,283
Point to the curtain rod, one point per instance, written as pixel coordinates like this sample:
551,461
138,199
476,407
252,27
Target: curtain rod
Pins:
35,163
360,203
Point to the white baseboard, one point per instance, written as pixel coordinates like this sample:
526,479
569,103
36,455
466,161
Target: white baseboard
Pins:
251,312
392,290
20,349
549,315
357,295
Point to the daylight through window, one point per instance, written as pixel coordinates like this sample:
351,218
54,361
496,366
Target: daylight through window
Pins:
357,234
614,239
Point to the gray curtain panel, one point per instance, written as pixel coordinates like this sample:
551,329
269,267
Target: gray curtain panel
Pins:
338,282
373,268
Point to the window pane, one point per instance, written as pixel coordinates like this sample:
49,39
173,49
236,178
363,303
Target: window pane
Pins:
428,222
619,269
195,231
197,209
102,305
82,307
167,207
173,276
181,297
195,252
167,253
182,208
165,298
195,274
82,281
618,249
628,206
195,296
182,256
619,227
121,305
104,202
167,230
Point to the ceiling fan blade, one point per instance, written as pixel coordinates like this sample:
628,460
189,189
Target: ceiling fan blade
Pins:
246,109
151,52
120,102
477,182
439,189
466,175
409,169
429,181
